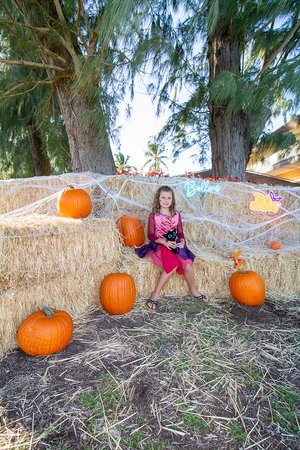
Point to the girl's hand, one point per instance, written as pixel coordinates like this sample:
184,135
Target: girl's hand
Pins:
170,245
181,244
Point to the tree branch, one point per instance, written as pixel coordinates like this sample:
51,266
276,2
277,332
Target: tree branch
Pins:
95,37
68,42
86,19
42,30
20,62
10,93
79,34
276,52
256,33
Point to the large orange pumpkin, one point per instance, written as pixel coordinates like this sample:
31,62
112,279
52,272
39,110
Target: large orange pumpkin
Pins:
132,231
74,203
275,245
117,293
45,332
247,288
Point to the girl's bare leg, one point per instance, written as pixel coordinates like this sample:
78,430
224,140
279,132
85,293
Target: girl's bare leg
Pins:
190,279
162,281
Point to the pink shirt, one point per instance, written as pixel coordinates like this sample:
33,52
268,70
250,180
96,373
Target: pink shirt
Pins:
160,224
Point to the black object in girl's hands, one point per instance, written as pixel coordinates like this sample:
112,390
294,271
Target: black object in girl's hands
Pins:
171,236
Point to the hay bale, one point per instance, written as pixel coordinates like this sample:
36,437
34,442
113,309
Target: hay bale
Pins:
281,274
38,194
231,199
231,234
37,247
75,293
41,252
211,276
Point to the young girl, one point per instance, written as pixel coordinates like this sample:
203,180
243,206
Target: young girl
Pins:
167,247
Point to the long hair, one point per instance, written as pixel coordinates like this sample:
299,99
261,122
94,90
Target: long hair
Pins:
156,205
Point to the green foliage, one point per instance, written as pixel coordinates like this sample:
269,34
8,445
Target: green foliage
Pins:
237,433
19,114
286,409
282,143
121,162
82,48
258,77
236,56
155,157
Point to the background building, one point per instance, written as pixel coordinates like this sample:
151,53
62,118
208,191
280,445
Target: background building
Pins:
280,164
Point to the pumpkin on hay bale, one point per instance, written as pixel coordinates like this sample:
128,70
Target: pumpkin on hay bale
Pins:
246,286
132,231
117,293
45,332
275,245
74,203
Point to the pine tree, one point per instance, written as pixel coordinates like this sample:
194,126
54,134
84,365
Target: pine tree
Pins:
76,46
239,63
27,127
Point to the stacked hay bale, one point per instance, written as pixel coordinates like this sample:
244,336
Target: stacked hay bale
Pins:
211,276
47,259
217,223
38,194
54,261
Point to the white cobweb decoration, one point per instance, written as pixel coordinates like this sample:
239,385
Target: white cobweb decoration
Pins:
216,216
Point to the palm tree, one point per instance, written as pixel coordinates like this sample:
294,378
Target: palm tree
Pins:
155,157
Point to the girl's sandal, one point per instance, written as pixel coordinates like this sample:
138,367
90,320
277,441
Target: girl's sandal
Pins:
151,305
202,298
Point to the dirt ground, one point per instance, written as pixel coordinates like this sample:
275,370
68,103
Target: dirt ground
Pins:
191,376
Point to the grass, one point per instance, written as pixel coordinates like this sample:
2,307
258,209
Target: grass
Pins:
188,375
237,434
285,410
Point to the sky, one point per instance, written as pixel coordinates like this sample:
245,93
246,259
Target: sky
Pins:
138,130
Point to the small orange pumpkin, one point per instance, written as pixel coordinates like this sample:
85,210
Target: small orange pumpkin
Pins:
45,332
131,230
74,203
247,287
117,293
275,245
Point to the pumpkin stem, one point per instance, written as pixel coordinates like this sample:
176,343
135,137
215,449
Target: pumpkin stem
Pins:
69,186
48,311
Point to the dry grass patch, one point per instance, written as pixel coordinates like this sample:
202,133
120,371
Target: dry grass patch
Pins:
192,376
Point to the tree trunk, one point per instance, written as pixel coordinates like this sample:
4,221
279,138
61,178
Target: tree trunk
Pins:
89,146
40,160
228,129
229,144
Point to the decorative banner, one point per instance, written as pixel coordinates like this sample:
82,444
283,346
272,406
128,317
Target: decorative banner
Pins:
192,187
265,202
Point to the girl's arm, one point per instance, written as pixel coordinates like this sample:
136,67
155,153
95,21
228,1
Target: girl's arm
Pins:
180,234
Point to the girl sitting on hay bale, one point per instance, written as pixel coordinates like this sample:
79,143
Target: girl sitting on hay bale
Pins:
167,247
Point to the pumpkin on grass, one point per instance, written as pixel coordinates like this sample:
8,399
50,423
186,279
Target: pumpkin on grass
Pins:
45,332
74,203
117,293
132,231
246,286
